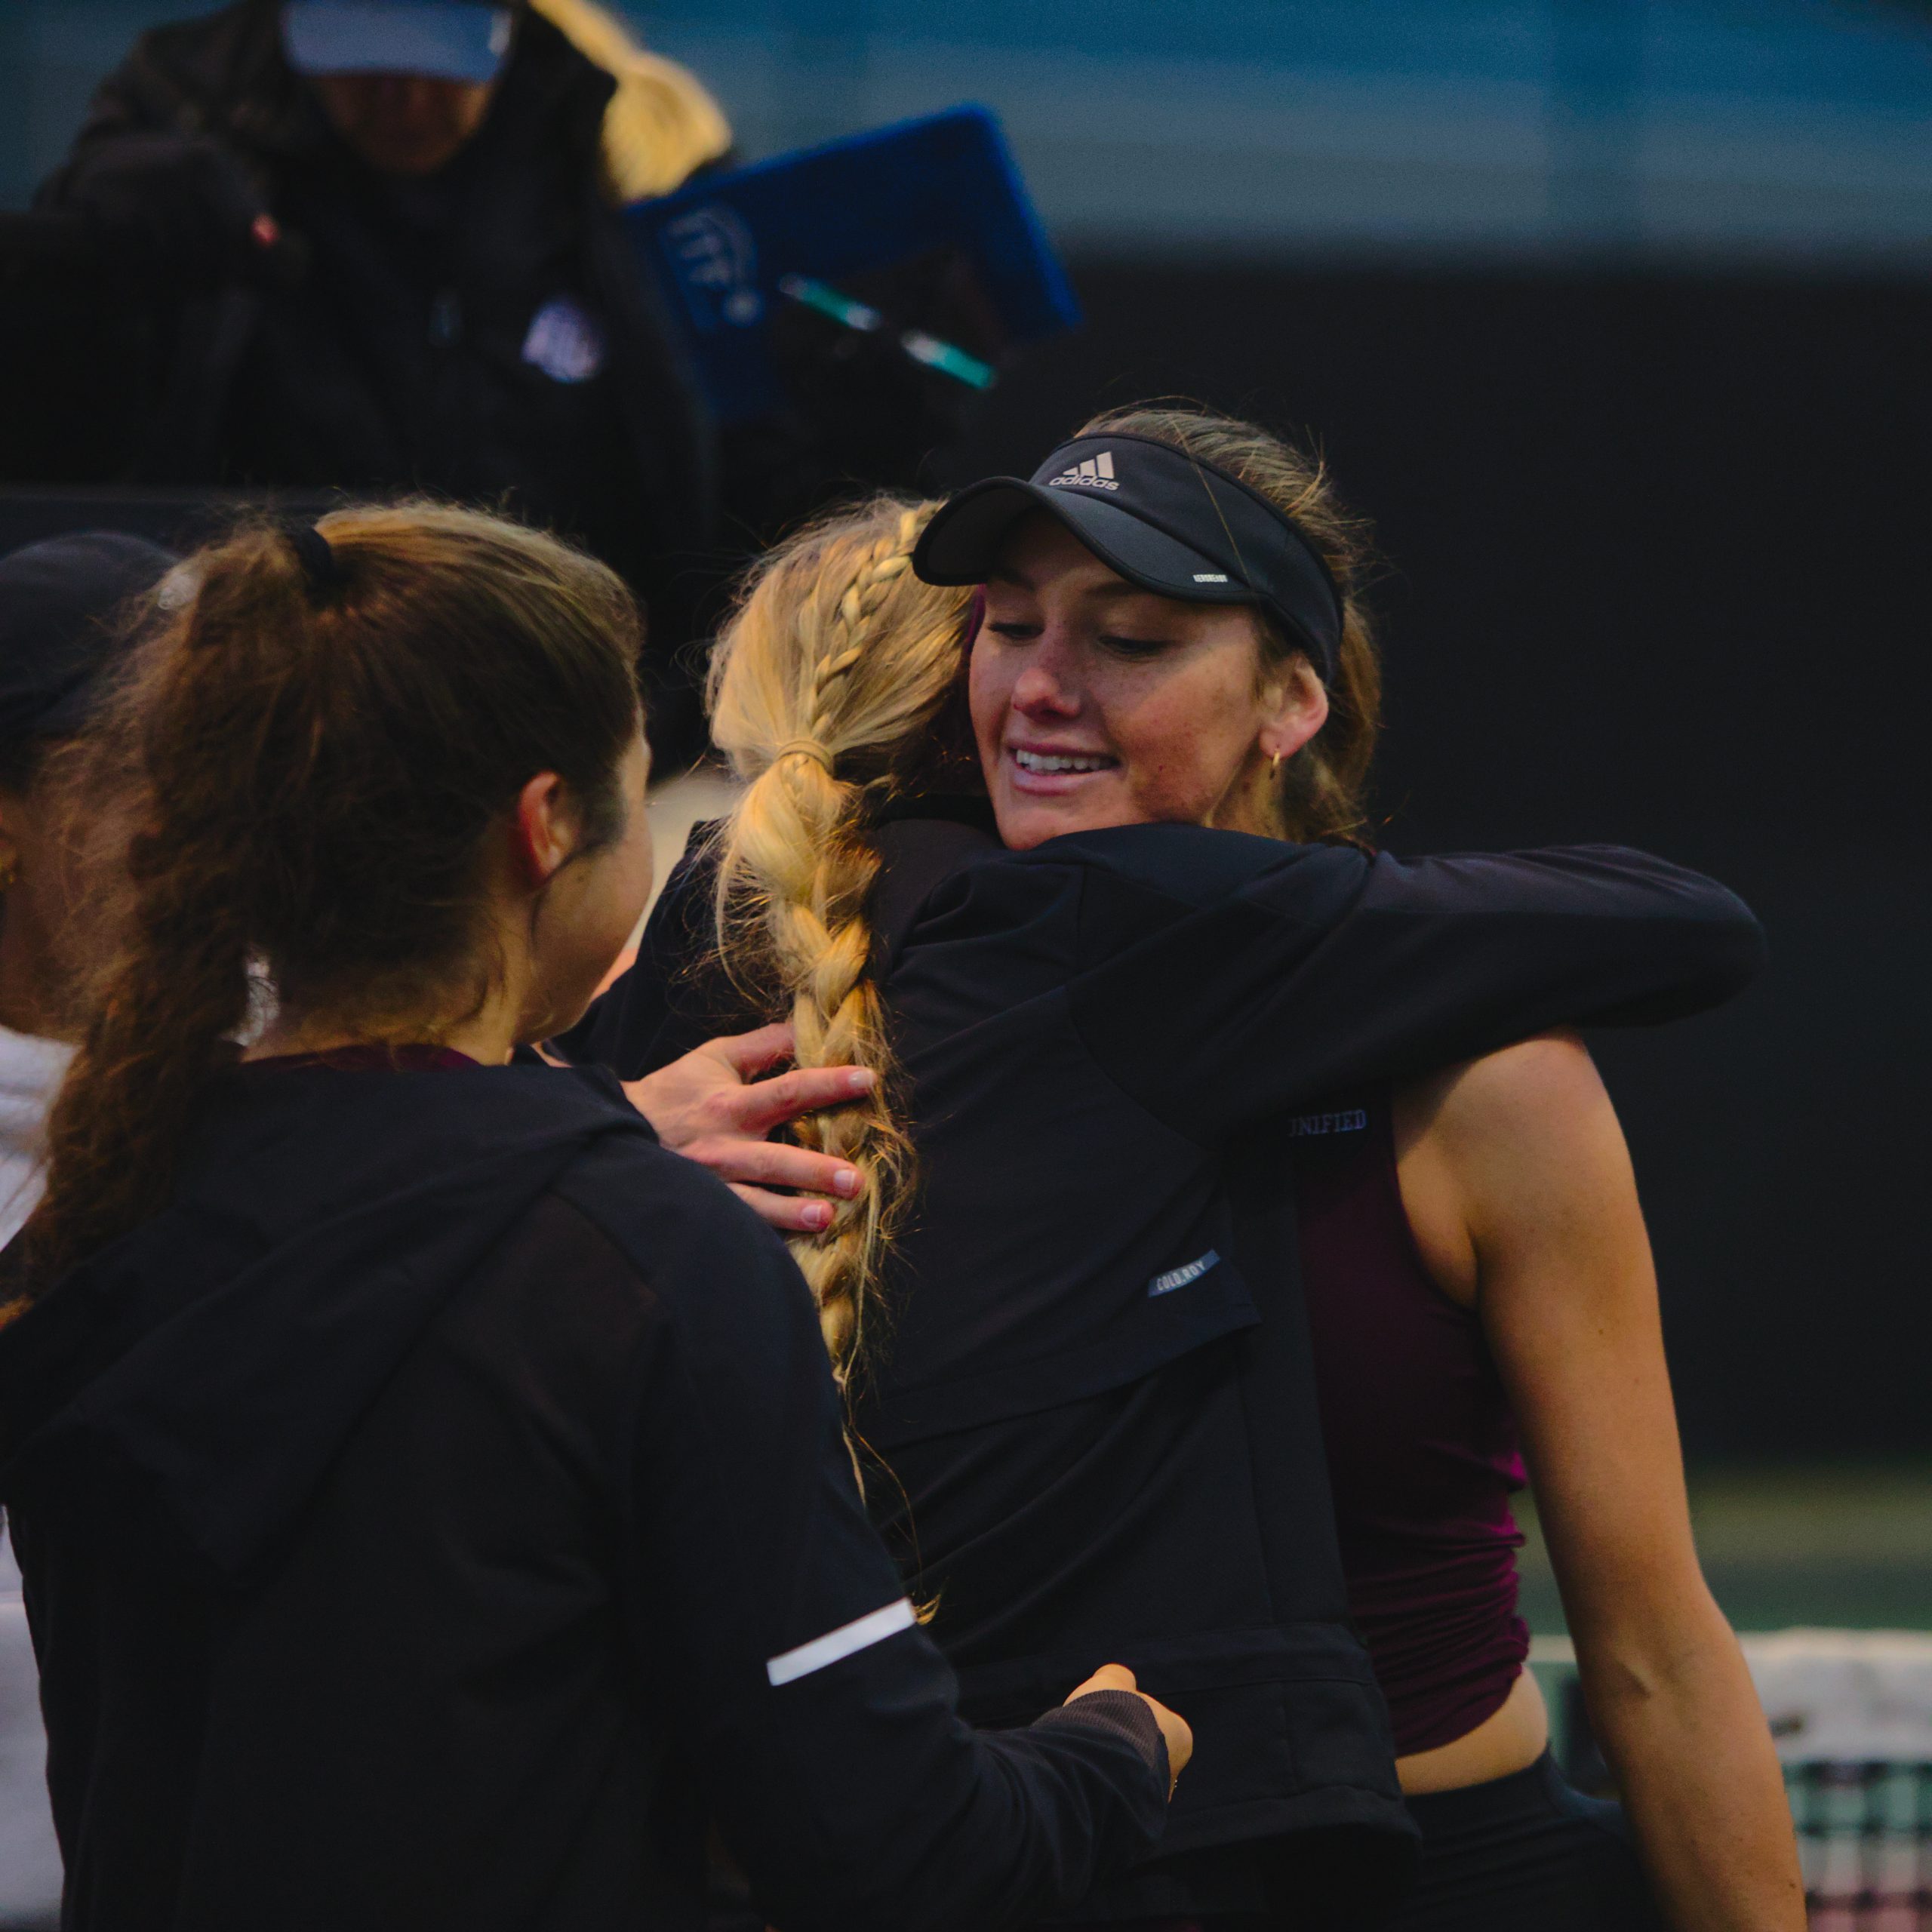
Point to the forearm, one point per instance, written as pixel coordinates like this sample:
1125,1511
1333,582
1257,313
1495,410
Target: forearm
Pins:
1682,1727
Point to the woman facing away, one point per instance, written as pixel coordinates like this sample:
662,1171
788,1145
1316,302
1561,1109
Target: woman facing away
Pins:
431,1494
1098,1030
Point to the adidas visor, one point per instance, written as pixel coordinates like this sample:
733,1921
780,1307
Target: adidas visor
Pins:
1164,520
442,40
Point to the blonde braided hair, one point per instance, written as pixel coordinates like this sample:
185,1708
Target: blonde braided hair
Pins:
824,690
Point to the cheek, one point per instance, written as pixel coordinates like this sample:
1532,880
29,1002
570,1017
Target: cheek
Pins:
1184,741
989,692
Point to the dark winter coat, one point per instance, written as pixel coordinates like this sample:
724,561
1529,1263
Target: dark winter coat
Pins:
440,1512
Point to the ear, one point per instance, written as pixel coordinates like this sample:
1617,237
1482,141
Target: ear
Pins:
1296,708
543,829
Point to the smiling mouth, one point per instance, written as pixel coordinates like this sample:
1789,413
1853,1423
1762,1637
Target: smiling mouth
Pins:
1054,763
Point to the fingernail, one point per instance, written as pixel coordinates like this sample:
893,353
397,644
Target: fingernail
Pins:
860,1080
818,1215
846,1180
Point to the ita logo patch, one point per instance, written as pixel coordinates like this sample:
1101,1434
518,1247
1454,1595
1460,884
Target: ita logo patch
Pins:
565,341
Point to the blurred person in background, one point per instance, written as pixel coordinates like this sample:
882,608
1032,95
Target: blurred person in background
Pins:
62,628
61,633
374,245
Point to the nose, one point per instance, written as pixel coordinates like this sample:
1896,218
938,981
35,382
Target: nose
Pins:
1047,687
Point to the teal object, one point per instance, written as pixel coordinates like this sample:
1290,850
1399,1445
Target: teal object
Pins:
947,357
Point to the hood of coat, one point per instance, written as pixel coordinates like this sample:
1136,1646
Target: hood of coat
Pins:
650,122
221,1353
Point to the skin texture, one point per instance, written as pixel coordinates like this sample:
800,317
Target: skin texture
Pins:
1519,1188
404,123
36,928
1170,699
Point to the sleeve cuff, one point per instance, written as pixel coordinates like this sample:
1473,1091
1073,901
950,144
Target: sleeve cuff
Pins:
1120,1714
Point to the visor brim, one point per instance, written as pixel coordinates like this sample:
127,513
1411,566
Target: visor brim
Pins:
962,543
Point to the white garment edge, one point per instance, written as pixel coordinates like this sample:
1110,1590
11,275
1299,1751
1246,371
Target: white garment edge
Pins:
859,1634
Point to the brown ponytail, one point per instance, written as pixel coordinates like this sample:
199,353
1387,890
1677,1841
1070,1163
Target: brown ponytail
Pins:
825,690
1320,793
304,758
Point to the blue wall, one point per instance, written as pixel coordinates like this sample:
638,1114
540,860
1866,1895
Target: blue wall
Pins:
1792,131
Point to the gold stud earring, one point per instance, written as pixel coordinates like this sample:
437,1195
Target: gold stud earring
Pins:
10,870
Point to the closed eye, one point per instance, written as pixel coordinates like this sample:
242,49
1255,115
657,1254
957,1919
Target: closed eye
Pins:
1133,648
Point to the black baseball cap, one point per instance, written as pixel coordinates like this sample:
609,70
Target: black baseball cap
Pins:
1169,521
59,600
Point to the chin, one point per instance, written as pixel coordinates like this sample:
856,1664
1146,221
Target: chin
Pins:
1026,822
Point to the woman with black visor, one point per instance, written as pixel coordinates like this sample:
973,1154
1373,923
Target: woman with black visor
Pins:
1096,1034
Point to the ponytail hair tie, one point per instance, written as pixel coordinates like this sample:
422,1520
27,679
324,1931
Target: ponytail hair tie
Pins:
804,748
320,565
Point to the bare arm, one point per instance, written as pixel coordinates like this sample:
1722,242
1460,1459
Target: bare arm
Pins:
1520,1187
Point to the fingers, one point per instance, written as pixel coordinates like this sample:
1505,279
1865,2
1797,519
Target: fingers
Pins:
765,1104
772,1163
789,1214
748,1053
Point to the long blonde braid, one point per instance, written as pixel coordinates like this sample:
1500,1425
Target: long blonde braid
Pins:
823,691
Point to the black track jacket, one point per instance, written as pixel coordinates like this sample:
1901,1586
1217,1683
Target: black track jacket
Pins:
1093,1393
430,1520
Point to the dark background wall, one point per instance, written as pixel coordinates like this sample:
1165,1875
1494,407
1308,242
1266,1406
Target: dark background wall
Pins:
1656,550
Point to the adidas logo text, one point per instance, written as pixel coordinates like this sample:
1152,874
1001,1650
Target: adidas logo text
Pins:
1096,473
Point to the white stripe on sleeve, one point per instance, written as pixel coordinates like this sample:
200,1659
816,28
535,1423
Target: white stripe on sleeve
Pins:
859,1634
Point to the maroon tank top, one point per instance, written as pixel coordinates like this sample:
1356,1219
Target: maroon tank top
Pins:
1422,1445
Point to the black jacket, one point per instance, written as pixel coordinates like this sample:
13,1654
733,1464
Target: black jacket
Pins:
382,348
417,1519
1094,1397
